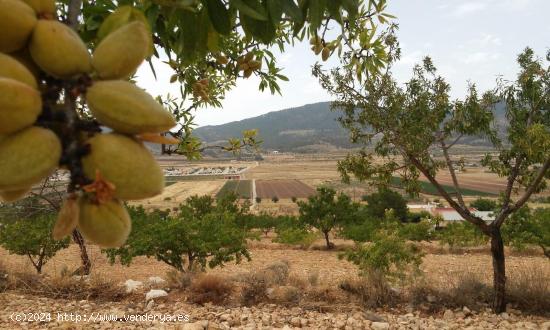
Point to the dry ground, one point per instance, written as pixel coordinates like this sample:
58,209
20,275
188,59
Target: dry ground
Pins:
436,266
176,193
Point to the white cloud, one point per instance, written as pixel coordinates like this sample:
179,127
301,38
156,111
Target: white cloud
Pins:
468,8
478,57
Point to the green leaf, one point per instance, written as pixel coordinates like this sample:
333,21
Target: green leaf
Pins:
292,10
316,13
256,12
334,9
275,11
219,16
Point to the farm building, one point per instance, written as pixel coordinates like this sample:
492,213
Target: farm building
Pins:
449,214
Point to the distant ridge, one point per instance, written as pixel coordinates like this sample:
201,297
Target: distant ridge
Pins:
311,128
308,128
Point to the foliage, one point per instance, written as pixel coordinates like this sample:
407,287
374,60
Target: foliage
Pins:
529,227
388,254
418,216
263,221
31,236
275,199
400,127
325,211
212,39
295,236
188,236
483,204
258,200
386,199
420,231
461,234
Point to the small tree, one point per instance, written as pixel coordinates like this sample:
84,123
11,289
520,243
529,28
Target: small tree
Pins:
325,211
32,237
484,204
200,234
401,126
386,199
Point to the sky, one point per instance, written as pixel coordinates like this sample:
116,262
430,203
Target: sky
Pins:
468,41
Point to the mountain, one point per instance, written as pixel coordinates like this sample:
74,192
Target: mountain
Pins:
311,127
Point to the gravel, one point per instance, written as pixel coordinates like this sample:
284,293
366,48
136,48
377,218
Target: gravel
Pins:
265,316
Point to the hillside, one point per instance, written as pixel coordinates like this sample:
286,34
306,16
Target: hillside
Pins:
309,128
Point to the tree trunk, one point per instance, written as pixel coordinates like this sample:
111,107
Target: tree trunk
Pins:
86,263
329,246
499,272
191,262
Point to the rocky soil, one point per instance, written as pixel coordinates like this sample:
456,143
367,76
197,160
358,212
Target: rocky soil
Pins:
268,316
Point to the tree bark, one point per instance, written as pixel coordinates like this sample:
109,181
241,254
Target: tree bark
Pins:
329,246
499,271
86,263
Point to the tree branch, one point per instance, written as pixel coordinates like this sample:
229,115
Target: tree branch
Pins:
453,174
525,197
464,212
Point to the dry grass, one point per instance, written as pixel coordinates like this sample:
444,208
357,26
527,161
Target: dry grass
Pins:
207,288
530,290
92,287
372,289
178,280
527,288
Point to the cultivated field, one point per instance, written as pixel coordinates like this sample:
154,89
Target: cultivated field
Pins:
283,189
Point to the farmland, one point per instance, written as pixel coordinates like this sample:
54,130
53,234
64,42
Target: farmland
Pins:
285,177
243,188
283,189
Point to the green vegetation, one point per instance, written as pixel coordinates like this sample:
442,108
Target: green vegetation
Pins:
187,240
243,188
32,237
326,211
529,228
430,189
483,204
386,199
402,127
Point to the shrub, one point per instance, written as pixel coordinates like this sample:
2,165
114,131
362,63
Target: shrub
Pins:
275,199
461,234
258,200
389,255
295,236
386,199
294,199
484,204
209,288
31,236
372,289
421,231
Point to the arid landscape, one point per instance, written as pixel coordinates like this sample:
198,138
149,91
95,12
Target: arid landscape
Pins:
310,293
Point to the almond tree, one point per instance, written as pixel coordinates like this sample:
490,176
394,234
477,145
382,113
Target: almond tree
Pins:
402,127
